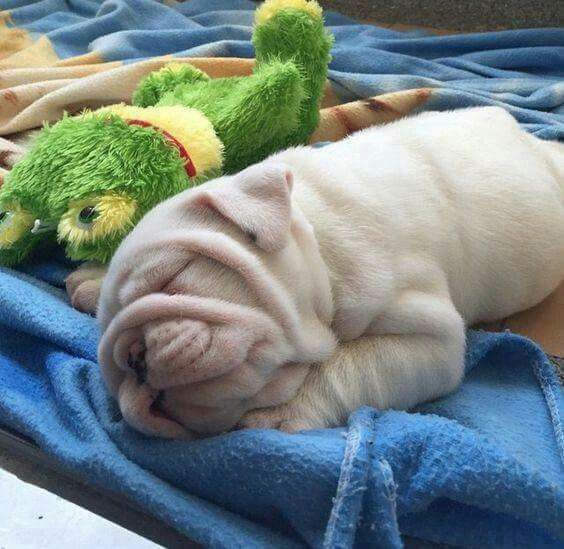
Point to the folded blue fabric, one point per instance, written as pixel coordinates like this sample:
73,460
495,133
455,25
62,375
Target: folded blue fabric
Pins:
481,468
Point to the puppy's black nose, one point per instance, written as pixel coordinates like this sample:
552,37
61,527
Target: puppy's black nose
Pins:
136,361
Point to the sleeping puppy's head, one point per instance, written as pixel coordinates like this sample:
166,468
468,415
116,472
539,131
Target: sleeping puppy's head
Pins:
214,305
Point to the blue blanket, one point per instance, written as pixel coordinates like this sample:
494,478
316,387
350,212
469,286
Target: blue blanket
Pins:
481,468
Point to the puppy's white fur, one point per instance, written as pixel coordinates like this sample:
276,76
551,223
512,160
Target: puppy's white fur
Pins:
324,279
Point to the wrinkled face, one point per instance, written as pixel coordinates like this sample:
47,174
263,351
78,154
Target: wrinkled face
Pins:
85,183
215,304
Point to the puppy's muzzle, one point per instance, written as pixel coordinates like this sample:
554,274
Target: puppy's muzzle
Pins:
174,351
161,342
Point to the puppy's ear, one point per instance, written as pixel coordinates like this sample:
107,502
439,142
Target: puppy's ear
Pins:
257,200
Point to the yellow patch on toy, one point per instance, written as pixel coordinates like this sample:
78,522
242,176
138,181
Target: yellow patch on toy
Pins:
14,223
189,126
174,67
90,219
271,7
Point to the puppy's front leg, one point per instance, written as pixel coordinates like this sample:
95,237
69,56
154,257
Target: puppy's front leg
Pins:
84,284
396,370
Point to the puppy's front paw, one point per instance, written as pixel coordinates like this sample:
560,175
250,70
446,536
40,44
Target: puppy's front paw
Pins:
83,287
290,417
84,297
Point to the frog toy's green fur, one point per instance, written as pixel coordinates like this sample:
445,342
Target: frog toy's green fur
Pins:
89,179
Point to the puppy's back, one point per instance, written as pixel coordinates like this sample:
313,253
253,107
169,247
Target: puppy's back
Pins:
467,190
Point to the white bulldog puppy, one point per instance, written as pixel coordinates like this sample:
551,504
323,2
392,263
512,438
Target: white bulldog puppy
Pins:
321,280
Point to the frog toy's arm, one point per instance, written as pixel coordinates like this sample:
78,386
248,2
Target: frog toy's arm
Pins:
278,105
259,119
292,30
154,86
292,50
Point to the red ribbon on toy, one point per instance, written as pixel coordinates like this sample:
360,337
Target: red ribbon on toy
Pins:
188,164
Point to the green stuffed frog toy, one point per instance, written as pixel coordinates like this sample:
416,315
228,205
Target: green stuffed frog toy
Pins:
88,179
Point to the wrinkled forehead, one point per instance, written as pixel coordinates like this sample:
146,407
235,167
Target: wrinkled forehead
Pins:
178,212
174,249
140,267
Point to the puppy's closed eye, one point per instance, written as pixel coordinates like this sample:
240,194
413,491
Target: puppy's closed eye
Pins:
252,236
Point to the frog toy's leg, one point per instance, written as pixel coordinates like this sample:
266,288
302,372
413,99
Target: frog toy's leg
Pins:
292,30
154,86
256,120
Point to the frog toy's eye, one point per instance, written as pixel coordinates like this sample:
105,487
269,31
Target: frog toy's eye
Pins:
94,218
5,219
87,216
14,223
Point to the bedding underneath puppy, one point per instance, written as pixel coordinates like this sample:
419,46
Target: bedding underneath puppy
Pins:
324,279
